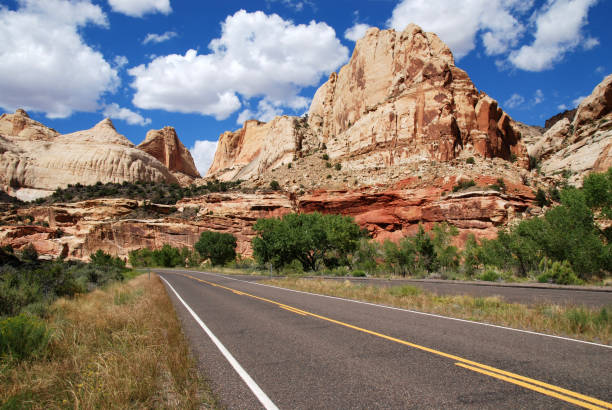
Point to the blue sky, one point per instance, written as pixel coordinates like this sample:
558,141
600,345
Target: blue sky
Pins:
205,66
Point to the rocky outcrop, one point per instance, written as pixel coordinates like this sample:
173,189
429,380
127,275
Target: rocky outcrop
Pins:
76,230
583,146
20,125
256,148
35,160
118,226
399,100
567,114
595,106
165,146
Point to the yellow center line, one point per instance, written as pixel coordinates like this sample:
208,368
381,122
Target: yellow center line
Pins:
531,387
469,364
299,312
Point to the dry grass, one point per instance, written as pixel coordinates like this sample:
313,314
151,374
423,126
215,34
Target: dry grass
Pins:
118,348
577,322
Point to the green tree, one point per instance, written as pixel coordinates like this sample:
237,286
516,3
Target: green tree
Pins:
219,247
168,257
309,238
400,257
446,255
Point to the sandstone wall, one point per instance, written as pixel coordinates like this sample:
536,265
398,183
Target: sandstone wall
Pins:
165,146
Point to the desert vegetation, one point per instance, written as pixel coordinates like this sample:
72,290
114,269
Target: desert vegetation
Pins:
155,192
81,335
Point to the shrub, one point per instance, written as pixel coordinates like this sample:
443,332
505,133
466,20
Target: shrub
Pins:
541,199
23,337
490,275
534,163
328,164
464,185
358,274
325,157
338,166
274,185
29,254
558,272
470,160
216,246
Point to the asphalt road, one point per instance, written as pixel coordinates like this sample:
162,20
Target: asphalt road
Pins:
308,351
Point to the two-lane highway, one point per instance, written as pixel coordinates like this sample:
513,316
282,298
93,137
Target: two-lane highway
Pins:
261,346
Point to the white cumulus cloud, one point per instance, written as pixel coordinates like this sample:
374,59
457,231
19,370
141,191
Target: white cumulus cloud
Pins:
257,55
515,100
114,111
203,153
138,8
458,22
159,38
356,32
45,64
559,27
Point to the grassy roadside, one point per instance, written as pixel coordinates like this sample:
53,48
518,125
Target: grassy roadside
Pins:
118,347
578,322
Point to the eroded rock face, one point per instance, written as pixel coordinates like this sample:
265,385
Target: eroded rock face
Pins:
77,230
583,146
165,146
37,160
255,148
401,99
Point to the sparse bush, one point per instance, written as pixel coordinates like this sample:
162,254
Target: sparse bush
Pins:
328,164
325,157
541,200
338,166
23,337
558,272
490,275
274,185
464,185
470,160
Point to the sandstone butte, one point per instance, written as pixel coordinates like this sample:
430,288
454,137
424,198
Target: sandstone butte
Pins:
165,146
36,160
399,118
399,100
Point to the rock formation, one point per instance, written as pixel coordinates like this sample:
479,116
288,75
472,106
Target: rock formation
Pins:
257,147
399,100
585,144
165,146
36,160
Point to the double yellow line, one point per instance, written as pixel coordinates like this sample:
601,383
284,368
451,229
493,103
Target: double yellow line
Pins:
526,382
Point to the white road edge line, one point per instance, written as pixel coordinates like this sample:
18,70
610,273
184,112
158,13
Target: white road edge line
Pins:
257,391
412,311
